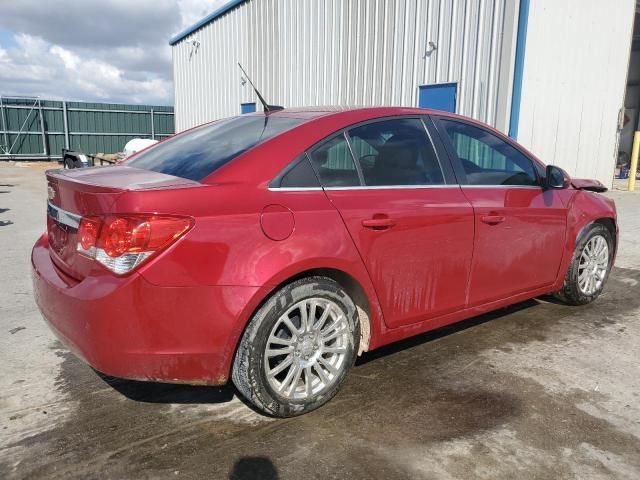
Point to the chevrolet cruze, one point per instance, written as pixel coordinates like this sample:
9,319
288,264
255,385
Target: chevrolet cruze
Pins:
273,249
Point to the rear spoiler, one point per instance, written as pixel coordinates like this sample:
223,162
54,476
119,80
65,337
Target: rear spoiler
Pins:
587,184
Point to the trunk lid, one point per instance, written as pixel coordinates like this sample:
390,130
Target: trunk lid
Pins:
73,194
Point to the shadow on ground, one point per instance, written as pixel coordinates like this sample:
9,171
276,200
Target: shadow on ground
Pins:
157,392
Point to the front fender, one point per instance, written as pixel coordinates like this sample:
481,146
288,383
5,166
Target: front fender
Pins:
583,209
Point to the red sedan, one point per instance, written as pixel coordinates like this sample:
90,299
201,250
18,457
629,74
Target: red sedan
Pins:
275,248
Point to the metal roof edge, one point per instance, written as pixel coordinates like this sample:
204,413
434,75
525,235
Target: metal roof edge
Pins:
208,19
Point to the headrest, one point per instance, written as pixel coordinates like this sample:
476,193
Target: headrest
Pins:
398,152
319,157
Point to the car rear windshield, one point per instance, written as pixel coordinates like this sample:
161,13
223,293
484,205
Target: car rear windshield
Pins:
199,152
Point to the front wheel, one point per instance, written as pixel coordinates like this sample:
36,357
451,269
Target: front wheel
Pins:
589,268
298,348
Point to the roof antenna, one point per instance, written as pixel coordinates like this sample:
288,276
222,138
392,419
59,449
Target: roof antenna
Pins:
267,108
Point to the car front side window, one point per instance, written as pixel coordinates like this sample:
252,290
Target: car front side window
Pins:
487,159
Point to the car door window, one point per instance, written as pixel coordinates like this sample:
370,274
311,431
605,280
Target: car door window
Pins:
334,164
487,159
396,152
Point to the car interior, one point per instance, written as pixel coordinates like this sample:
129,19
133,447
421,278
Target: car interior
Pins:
486,159
393,152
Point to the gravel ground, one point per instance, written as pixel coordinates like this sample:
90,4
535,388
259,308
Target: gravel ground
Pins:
538,390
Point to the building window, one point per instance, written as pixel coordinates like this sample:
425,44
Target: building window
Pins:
247,107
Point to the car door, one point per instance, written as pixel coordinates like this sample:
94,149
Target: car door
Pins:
410,222
520,227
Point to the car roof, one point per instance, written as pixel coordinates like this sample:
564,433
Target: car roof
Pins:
316,123
356,113
312,112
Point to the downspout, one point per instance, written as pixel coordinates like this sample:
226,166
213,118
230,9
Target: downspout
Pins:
521,41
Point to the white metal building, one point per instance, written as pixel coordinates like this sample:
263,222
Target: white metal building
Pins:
552,74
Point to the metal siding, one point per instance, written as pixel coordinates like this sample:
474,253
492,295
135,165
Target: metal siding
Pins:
361,52
574,82
89,126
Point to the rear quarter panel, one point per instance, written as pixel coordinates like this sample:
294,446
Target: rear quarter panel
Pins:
228,247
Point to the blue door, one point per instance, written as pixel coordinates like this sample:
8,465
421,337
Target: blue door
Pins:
247,107
441,96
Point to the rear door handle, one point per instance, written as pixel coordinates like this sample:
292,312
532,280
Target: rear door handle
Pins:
492,219
378,223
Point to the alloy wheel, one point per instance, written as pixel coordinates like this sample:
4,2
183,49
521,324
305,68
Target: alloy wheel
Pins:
307,349
593,265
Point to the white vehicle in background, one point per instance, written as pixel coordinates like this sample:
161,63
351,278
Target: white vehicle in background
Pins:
136,144
78,159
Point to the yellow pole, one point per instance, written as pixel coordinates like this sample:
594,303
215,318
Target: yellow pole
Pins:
633,168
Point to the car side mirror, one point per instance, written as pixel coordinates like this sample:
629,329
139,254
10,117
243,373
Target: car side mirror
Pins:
556,178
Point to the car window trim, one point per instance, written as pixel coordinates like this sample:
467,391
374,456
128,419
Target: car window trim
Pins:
295,189
447,170
530,187
356,161
395,187
460,173
446,163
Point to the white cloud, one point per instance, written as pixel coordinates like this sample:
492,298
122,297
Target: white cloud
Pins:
192,11
109,50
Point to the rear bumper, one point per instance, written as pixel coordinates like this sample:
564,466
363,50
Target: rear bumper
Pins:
129,328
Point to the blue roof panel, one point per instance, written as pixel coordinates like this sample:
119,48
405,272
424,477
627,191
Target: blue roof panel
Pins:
231,4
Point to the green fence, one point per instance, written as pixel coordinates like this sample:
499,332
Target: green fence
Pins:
34,128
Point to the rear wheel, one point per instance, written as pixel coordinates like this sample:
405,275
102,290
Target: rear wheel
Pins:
298,348
589,268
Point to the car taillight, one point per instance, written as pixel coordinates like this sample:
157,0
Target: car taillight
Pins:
88,233
121,243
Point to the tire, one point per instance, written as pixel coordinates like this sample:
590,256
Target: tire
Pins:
271,382
574,290
71,162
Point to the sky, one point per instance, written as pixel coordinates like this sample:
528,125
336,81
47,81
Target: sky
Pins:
93,50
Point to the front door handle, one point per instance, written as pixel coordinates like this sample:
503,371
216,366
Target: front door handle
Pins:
492,219
378,223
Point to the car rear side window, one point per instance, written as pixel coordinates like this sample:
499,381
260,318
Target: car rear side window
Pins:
334,164
199,152
396,152
487,159
300,175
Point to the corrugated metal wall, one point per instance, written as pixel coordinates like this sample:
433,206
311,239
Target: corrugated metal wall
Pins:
574,83
360,52
92,127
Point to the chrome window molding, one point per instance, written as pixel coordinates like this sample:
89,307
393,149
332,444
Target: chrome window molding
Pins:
398,187
361,187
394,187
62,216
529,187
295,189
